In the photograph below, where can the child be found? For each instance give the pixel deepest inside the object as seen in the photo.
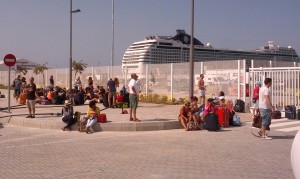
(209, 107)
(120, 97)
(195, 111)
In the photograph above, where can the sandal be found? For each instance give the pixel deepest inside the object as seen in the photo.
(30, 116)
(137, 120)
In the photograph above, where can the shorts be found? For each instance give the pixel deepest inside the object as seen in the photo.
(30, 103)
(265, 117)
(112, 94)
(255, 105)
(133, 102)
(201, 92)
(17, 91)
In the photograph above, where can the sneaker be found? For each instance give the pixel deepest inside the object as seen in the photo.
(266, 138)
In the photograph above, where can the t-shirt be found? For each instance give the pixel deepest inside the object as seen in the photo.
(31, 93)
(120, 98)
(18, 84)
(93, 112)
(111, 86)
(264, 91)
(134, 84)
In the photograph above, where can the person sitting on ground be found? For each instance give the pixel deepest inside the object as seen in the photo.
(222, 103)
(209, 108)
(195, 111)
(185, 112)
(67, 113)
(120, 97)
(92, 115)
(79, 96)
(50, 94)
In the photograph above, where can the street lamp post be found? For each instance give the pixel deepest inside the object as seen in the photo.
(191, 82)
(70, 70)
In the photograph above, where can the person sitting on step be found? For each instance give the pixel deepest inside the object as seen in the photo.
(92, 115)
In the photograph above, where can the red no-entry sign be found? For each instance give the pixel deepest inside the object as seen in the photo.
(9, 60)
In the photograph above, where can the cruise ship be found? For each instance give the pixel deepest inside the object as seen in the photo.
(175, 49)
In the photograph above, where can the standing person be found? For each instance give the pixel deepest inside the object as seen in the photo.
(112, 92)
(17, 87)
(201, 89)
(77, 83)
(133, 97)
(265, 107)
(255, 99)
(91, 83)
(67, 116)
(51, 81)
(31, 88)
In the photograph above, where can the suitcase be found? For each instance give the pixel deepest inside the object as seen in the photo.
(23, 97)
(223, 116)
(102, 118)
(211, 122)
(290, 112)
(276, 115)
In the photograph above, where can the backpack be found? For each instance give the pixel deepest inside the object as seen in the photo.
(239, 106)
(236, 120)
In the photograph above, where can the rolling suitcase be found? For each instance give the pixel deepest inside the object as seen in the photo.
(290, 112)
(223, 116)
(276, 115)
(211, 122)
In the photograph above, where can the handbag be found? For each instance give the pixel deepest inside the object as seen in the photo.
(257, 122)
(102, 118)
(253, 100)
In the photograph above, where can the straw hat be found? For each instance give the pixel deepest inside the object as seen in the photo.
(67, 102)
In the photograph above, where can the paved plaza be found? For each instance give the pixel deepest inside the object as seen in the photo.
(231, 153)
(34, 152)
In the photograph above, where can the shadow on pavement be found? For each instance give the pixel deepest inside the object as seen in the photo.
(1, 126)
(283, 137)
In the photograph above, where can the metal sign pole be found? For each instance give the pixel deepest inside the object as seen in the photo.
(8, 89)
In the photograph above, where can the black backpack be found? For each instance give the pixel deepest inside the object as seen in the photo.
(239, 106)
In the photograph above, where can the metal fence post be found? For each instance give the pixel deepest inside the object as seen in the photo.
(147, 81)
(171, 81)
(239, 79)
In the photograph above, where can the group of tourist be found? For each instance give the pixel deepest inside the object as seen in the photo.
(261, 100)
(56, 95)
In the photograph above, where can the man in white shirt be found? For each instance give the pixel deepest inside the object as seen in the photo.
(265, 107)
(133, 97)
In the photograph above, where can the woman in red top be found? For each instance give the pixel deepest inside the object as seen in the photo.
(185, 112)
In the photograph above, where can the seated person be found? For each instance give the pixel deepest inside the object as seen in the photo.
(222, 103)
(120, 97)
(209, 108)
(195, 111)
(79, 97)
(50, 94)
(67, 116)
(185, 112)
(92, 115)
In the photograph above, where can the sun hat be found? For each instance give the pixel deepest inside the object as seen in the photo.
(258, 83)
(67, 102)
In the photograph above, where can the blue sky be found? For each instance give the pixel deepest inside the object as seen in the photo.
(38, 30)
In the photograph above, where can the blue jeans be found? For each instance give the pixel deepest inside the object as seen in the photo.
(265, 116)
